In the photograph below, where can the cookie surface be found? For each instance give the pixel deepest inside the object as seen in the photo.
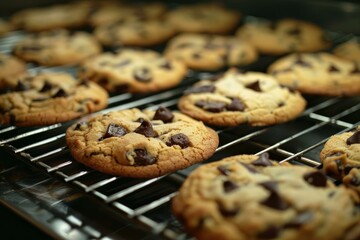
(135, 71)
(134, 33)
(10, 66)
(141, 144)
(317, 73)
(203, 18)
(242, 197)
(209, 52)
(48, 98)
(52, 17)
(57, 47)
(5, 27)
(341, 153)
(236, 98)
(349, 50)
(283, 36)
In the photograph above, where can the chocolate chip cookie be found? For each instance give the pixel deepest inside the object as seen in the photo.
(57, 47)
(317, 73)
(118, 11)
(9, 67)
(141, 144)
(283, 36)
(48, 98)
(134, 32)
(236, 98)
(246, 197)
(210, 52)
(133, 70)
(349, 50)
(341, 153)
(203, 18)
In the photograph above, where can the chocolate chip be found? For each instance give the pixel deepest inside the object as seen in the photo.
(179, 139)
(211, 106)
(339, 165)
(317, 179)
(236, 105)
(40, 99)
(299, 220)
(356, 70)
(79, 125)
(263, 160)
(60, 93)
(333, 68)
(21, 86)
(274, 200)
(294, 31)
(223, 170)
(142, 74)
(196, 55)
(281, 104)
(166, 65)
(353, 139)
(254, 86)
(122, 63)
(163, 114)
(249, 167)
(355, 181)
(269, 233)
(301, 62)
(103, 81)
(228, 213)
(114, 130)
(146, 129)
(200, 89)
(143, 158)
(229, 186)
(46, 87)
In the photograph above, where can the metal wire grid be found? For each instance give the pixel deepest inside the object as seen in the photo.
(45, 147)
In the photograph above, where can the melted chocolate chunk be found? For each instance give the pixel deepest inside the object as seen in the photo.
(142, 74)
(46, 87)
(21, 86)
(355, 181)
(163, 114)
(333, 68)
(200, 89)
(143, 158)
(353, 139)
(249, 167)
(262, 161)
(299, 220)
(114, 130)
(223, 170)
(196, 55)
(122, 63)
(166, 65)
(228, 213)
(274, 200)
(146, 129)
(269, 233)
(317, 179)
(79, 125)
(103, 81)
(40, 99)
(60, 93)
(179, 139)
(281, 104)
(294, 31)
(254, 86)
(229, 186)
(236, 105)
(301, 62)
(356, 70)
(214, 107)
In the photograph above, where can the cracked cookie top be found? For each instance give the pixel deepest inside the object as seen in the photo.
(141, 144)
(48, 98)
(236, 98)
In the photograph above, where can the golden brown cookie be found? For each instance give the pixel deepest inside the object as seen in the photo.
(141, 144)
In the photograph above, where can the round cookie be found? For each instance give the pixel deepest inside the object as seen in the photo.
(317, 73)
(133, 70)
(239, 198)
(210, 52)
(57, 47)
(141, 144)
(349, 50)
(5, 27)
(48, 98)
(52, 17)
(115, 12)
(236, 98)
(10, 66)
(283, 36)
(134, 33)
(203, 18)
(341, 153)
